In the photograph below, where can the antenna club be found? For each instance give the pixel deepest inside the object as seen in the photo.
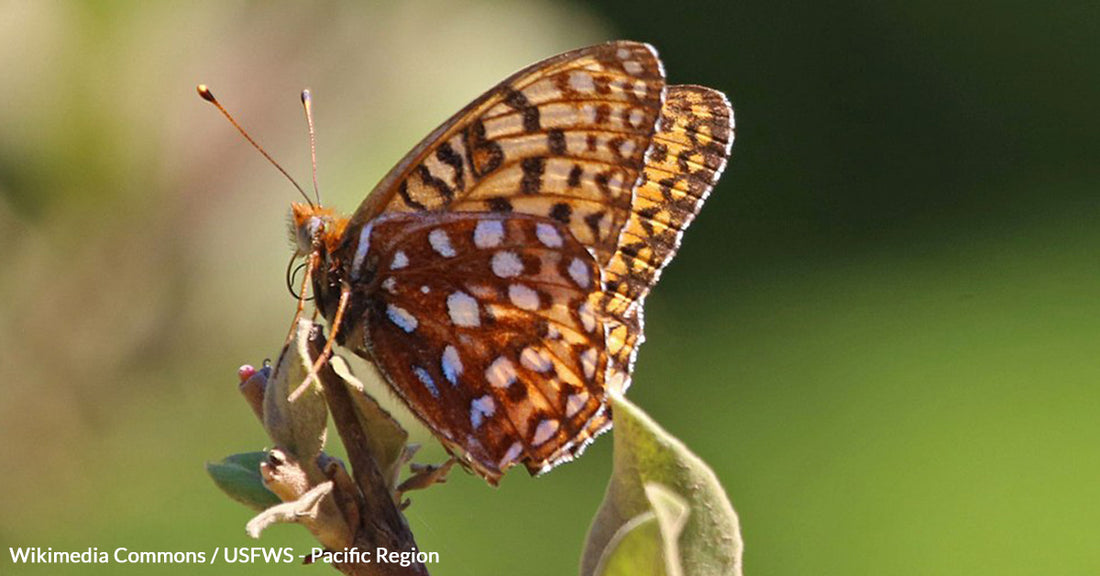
(205, 93)
(306, 96)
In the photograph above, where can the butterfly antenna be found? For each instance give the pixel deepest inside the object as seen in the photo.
(205, 93)
(307, 103)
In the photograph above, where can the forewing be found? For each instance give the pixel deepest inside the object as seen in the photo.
(564, 138)
(483, 324)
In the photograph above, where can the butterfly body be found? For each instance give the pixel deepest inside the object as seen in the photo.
(495, 277)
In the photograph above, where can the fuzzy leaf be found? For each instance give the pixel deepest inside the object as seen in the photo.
(648, 545)
(672, 515)
(635, 550)
(649, 465)
(239, 477)
(298, 427)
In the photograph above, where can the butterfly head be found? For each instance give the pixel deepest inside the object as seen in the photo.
(315, 228)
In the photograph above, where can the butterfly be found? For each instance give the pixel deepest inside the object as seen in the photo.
(496, 275)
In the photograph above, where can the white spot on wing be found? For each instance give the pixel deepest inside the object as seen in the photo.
(507, 264)
(581, 81)
(548, 235)
(536, 360)
(361, 250)
(390, 285)
(441, 242)
(480, 408)
(575, 403)
(463, 309)
(578, 271)
(501, 373)
(615, 183)
(403, 318)
(523, 297)
(426, 380)
(616, 380)
(588, 113)
(510, 456)
(452, 365)
(545, 431)
(588, 319)
(636, 117)
(488, 233)
(632, 67)
(588, 362)
(400, 260)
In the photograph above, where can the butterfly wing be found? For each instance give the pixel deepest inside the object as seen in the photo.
(687, 156)
(482, 323)
(564, 138)
(583, 166)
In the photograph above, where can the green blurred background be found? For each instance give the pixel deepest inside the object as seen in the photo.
(882, 331)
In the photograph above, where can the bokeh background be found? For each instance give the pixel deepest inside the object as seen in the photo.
(882, 331)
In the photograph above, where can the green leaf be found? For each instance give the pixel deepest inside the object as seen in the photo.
(239, 477)
(648, 545)
(635, 549)
(672, 515)
(654, 473)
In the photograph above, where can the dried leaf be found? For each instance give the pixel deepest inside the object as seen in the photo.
(386, 439)
(303, 510)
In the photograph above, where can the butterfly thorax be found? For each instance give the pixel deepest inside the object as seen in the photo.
(318, 233)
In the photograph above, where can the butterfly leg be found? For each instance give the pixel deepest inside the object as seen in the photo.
(337, 320)
(302, 296)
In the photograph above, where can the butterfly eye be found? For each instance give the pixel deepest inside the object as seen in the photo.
(307, 233)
